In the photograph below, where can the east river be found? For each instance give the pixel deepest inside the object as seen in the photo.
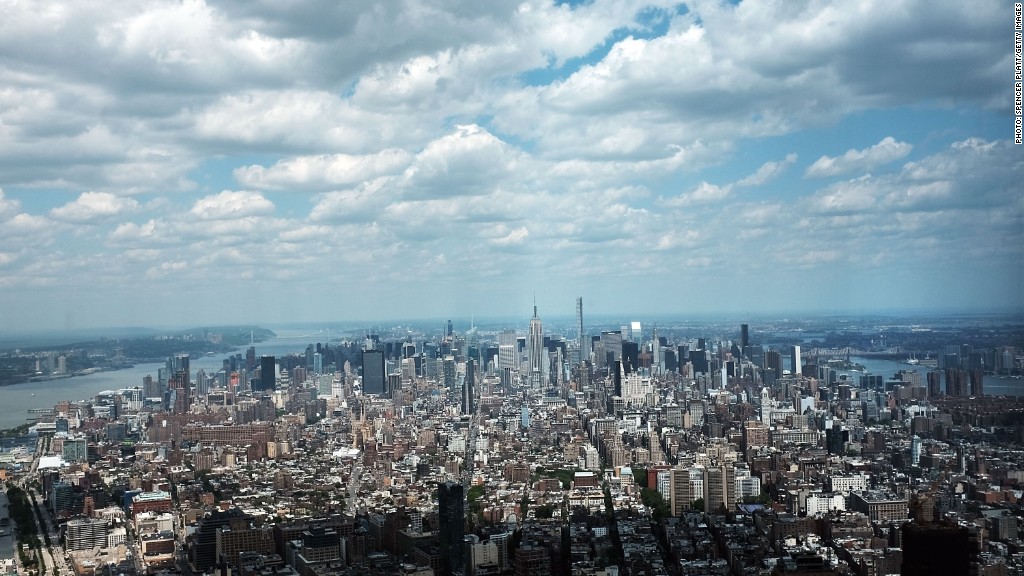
(16, 400)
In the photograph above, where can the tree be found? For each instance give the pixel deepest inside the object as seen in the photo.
(698, 505)
(654, 500)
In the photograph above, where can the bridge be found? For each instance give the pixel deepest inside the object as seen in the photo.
(846, 352)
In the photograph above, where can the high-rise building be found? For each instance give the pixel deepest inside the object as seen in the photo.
(268, 376)
(468, 385)
(773, 362)
(686, 486)
(451, 529)
(744, 336)
(657, 356)
(373, 372)
(181, 364)
(507, 356)
(583, 343)
(448, 372)
(630, 356)
(794, 361)
(720, 488)
(535, 356)
(935, 549)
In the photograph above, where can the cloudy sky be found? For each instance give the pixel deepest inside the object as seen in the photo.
(188, 162)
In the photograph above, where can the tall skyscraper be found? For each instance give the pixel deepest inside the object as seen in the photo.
(309, 356)
(451, 530)
(794, 361)
(507, 356)
(181, 364)
(268, 374)
(744, 336)
(583, 343)
(468, 385)
(250, 359)
(535, 350)
(373, 372)
(657, 355)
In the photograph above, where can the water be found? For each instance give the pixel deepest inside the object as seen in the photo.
(994, 385)
(16, 400)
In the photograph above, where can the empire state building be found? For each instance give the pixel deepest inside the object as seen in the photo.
(535, 351)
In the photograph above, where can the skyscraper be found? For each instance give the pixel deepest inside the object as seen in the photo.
(268, 375)
(181, 364)
(584, 348)
(448, 372)
(451, 530)
(507, 350)
(373, 372)
(468, 384)
(794, 361)
(535, 350)
(744, 336)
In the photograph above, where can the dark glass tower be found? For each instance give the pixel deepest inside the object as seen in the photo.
(373, 372)
(451, 531)
(935, 550)
(268, 378)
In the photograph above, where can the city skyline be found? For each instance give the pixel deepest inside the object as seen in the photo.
(189, 163)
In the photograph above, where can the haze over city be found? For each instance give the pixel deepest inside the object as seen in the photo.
(188, 163)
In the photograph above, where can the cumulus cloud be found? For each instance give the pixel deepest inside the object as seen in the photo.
(768, 171)
(469, 161)
(886, 151)
(94, 207)
(231, 204)
(323, 171)
(516, 236)
(703, 193)
(414, 143)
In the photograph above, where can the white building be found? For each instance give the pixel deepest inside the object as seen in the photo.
(848, 483)
(820, 503)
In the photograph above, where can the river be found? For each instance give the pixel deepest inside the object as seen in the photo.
(16, 400)
(994, 385)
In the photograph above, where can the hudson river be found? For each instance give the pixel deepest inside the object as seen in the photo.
(17, 400)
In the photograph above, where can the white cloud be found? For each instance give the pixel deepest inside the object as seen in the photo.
(768, 171)
(469, 161)
(352, 206)
(886, 151)
(516, 236)
(94, 207)
(848, 197)
(231, 204)
(703, 193)
(323, 171)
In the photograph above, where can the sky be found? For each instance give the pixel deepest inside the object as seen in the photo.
(256, 161)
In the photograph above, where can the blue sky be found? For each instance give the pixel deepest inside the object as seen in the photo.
(183, 163)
